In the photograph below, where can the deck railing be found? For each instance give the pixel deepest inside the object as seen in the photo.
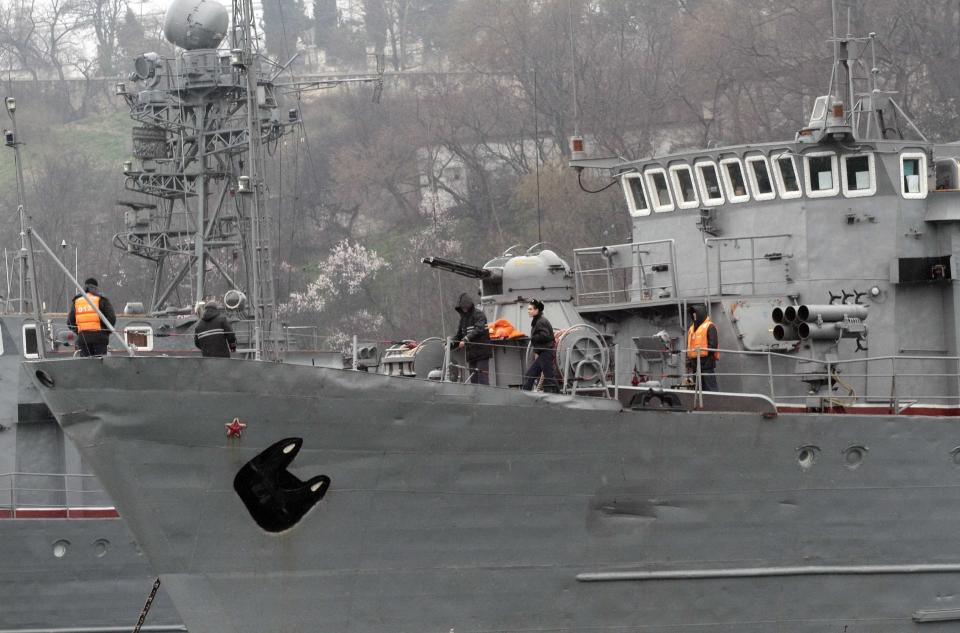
(23, 492)
(895, 383)
(638, 272)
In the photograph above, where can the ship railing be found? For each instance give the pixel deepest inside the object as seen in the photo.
(637, 272)
(301, 337)
(743, 263)
(70, 495)
(896, 383)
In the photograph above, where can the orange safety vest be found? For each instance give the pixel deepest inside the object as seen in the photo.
(697, 341)
(87, 318)
(501, 328)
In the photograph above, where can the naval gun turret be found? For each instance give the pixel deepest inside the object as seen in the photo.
(507, 284)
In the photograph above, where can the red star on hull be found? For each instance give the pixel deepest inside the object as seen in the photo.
(235, 428)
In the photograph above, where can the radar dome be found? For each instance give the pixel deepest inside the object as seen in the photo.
(193, 24)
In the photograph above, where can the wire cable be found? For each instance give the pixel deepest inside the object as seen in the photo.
(604, 188)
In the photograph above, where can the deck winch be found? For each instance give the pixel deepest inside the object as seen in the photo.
(412, 359)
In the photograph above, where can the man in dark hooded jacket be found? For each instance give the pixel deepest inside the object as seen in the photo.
(213, 334)
(92, 333)
(474, 337)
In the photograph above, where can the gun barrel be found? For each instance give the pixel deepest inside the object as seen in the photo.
(458, 268)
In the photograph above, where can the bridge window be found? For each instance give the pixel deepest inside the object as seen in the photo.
(31, 341)
(948, 176)
(683, 184)
(636, 197)
(822, 180)
(659, 190)
(140, 336)
(785, 173)
(709, 182)
(913, 175)
(858, 176)
(759, 173)
(732, 170)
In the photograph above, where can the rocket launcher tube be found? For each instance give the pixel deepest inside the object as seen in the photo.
(785, 332)
(826, 332)
(831, 313)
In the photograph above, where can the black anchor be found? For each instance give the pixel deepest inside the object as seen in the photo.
(276, 498)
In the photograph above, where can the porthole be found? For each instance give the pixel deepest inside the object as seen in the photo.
(853, 456)
(807, 455)
(44, 379)
(955, 455)
(60, 548)
(100, 547)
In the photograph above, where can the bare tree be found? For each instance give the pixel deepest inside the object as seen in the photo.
(106, 19)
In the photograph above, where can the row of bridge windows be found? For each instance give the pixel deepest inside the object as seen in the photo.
(709, 183)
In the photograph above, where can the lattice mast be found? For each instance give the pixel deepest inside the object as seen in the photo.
(262, 291)
(205, 116)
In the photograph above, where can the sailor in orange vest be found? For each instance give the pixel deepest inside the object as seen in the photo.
(92, 334)
(701, 337)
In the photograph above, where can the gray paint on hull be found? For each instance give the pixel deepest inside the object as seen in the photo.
(80, 589)
(39, 591)
(454, 506)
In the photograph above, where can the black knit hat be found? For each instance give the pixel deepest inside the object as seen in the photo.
(90, 281)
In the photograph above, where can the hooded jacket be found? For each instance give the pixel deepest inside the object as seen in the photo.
(472, 329)
(213, 334)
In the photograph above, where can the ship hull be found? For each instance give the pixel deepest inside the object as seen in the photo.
(68, 575)
(455, 507)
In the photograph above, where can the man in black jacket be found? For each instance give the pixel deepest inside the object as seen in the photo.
(474, 337)
(213, 334)
(92, 333)
(541, 339)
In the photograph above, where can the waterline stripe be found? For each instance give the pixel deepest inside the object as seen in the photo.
(156, 628)
(760, 572)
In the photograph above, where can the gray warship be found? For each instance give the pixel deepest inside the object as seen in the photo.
(69, 562)
(813, 493)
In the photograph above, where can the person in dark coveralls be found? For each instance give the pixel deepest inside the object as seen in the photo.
(541, 339)
(213, 334)
(92, 333)
(702, 337)
(474, 337)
